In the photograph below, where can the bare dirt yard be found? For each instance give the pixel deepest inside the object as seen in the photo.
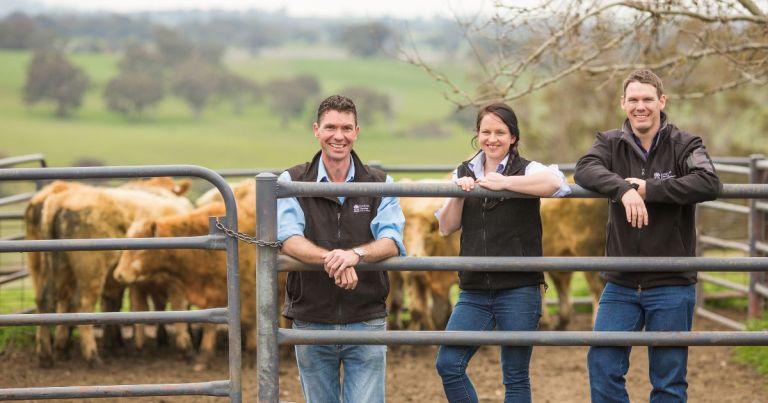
(558, 374)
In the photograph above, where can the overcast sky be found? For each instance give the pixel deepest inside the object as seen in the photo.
(318, 8)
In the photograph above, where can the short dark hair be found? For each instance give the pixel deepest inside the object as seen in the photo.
(506, 114)
(338, 103)
(644, 77)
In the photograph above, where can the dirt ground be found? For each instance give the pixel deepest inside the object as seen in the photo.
(558, 374)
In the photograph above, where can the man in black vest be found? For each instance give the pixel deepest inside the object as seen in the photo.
(654, 174)
(339, 233)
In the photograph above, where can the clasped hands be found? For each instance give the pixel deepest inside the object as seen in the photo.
(340, 265)
(492, 181)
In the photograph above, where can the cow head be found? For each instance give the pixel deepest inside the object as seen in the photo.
(139, 265)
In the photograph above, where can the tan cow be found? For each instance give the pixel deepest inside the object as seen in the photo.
(202, 273)
(244, 191)
(573, 227)
(428, 291)
(75, 281)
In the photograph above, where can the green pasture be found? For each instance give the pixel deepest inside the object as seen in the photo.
(222, 139)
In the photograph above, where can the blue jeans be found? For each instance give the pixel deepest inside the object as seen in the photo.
(667, 308)
(507, 309)
(320, 366)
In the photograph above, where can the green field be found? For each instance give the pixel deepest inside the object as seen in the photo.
(221, 139)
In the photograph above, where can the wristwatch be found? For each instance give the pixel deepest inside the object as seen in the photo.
(359, 252)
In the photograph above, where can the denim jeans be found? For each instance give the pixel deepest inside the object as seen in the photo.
(507, 309)
(666, 308)
(320, 366)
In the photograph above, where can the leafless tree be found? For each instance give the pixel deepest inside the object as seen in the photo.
(700, 47)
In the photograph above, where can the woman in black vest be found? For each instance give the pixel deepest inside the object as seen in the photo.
(496, 227)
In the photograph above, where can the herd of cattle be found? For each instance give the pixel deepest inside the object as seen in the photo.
(180, 278)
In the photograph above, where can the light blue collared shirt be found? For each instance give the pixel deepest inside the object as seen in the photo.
(388, 222)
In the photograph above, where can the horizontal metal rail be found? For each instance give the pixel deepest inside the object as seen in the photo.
(716, 317)
(22, 159)
(576, 301)
(4, 270)
(761, 289)
(724, 206)
(732, 169)
(761, 205)
(723, 283)
(17, 198)
(9, 278)
(551, 264)
(724, 162)
(761, 246)
(213, 315)
(190, 242)
(724, 243)
(523, 338)
(312, 189)
(213, 388)
(11, 215)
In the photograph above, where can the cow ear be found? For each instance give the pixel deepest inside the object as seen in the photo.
(181, 187)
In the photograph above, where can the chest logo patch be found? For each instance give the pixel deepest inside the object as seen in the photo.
(361, 208)
(663, 175)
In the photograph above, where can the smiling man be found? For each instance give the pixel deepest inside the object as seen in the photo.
(339, 233)
(654, 174)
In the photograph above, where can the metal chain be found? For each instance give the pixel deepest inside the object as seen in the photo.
(245, 237)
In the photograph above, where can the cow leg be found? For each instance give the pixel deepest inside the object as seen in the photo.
(441, 311)
(181, 329)
(596, 286)
(159, 302)
(88, 346)
(63, 333)
(395, 300)
(45, 304)
(249, 334)
(207, 346)
(546, 319)
(112, 301)
(562, 281)
(138, 304)
(417, 294)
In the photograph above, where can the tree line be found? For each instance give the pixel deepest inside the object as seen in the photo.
(173, 65)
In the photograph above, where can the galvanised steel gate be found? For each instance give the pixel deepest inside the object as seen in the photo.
(268, 190)
(231, 387)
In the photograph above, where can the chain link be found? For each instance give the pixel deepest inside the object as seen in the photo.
(245, 237)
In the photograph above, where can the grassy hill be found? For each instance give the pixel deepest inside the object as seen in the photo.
(221, 139)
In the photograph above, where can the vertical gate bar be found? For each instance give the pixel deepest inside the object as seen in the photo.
(755, 305)
(233, 309)
(267, 357)
(699, 252)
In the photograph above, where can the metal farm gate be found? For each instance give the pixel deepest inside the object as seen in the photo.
(230, 316)
(270, 336)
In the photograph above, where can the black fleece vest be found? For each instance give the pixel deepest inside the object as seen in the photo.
(313, 296)
(500, 227)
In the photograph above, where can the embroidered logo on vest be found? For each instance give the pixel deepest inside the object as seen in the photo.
(361, 208)
(663, 175)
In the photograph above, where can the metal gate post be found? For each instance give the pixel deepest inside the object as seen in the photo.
(755, 300)
(267, 356)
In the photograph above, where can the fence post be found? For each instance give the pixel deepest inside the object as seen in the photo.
(267, 356)
(755, 305)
